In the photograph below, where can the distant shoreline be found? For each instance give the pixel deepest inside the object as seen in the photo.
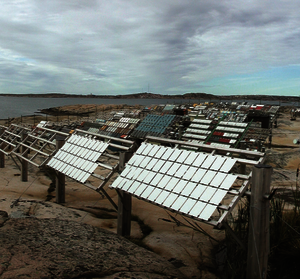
(187, 96)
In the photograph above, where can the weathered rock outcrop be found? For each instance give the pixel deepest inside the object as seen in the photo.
(52, 248)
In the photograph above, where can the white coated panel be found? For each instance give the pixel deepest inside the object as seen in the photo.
(98, 146)
(197, 209)
(117, 181)
(151, 164)
(136, 173)
(59, 165)
(155, 193)
(162, 196)
(156, 179)
(160, 152)
(150, 150)
(188, 205)
(144, 149)
(140, 190)
(184, 154)
(170, 200)
(228, 164)
(181, 171)
(51, 162)
(134, 186)
(165, 180)
(58, 154)
(63, 168)
(141, 149)
(153, 150)
(89, 154)
(208, 194)
(64, 155)
(168, 153)
(125, 185)
(133, 158)
(149, 177)
(104, 147)
(138, 160)
(208, 177)
(84, 179)
(199, 160)
(78, 163)
(189, 188)
(147, 192)
(178, 203)
(228, 182)
(191, 158)
(77, 174)
(218, 179)
(208, 161)
(68, 172)
(96, 156)
(175, 155)
(207, 212)
(93, 167)
(218, 196)
(173, 169)
(166, 167)
(145, 162)
(198, 175)
(73, 172)
(68, 159)
(158, 165)
(84, 154)
(142, 175)
(126, 171)
(217, 163)
(75, 150)
(198, 191)
(171, 184)
(180, 186)
(189, 173)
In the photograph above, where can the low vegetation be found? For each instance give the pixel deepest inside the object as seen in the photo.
(284, 254)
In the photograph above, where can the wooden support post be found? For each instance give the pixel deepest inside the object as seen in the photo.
(270, 140)
(243, 168)
(2, 155)
(259, 222)
(2, 160)
(180, 131)
(259, 145)
(60, 179)
(124, 202)
(24, 163)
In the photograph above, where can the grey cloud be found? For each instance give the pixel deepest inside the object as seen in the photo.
(117, 46)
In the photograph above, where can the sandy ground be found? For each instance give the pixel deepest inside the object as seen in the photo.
(189, 251)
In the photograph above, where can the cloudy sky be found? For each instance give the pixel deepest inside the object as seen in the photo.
(160, 46)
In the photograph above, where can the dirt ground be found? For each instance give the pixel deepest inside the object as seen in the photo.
(190, 252)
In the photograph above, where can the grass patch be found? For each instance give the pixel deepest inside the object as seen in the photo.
(284, 254)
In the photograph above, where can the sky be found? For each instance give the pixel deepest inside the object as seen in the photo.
(222, 47)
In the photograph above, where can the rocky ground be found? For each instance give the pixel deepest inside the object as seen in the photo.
(54, 248)
(42, 239)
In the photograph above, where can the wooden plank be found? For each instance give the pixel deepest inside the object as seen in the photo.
(124, 202)
(259, 223)
(24, 163)
(60, 178)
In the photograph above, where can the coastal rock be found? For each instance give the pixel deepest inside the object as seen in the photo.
(52, 248)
